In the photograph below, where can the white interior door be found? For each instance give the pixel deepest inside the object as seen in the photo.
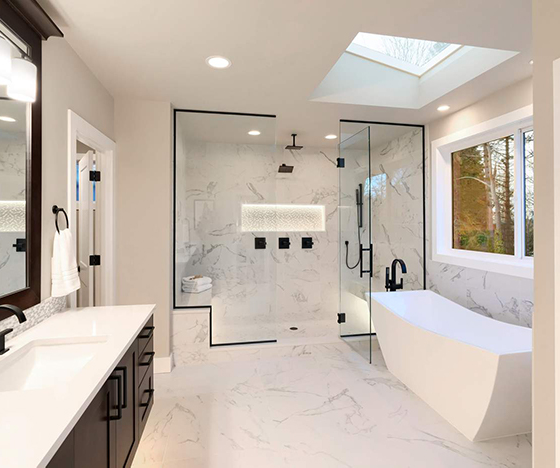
(85, 231)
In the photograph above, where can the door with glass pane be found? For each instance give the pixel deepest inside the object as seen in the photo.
(355, 243)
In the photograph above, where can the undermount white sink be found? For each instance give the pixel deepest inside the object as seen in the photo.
(46, 363)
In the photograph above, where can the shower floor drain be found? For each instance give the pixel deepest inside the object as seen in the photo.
(293, 328)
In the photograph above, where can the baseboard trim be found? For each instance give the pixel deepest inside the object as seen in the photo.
(163, 365)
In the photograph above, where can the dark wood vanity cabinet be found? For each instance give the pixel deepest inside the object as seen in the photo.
(108, 433)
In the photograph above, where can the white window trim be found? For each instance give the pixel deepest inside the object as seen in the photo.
(442, 196)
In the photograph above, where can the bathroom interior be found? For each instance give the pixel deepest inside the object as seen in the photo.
(306, 239)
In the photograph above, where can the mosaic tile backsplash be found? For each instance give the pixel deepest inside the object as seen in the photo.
(35, 315)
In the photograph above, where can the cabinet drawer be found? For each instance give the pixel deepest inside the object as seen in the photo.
(146, 334)
(145, 360)
(145, 397)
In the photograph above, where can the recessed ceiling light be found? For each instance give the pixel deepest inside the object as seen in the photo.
(443, 108)
(254, 133)
(531, 62)
(218, 62)
(331, 137)
(5, 118)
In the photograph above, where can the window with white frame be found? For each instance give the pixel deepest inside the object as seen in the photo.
(483, 196)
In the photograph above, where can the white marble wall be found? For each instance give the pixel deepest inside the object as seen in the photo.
(256, 294)
(12, 188)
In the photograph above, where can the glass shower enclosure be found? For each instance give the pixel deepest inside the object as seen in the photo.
(381, 218)
(221, 170)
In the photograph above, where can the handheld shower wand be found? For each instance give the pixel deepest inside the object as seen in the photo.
(359, 223)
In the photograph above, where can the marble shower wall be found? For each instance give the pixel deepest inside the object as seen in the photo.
(256, 294)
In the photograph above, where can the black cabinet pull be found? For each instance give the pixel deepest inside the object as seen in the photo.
(150, 331)
(150, 393)
(119, 397)
(150, 359)
(124, 370)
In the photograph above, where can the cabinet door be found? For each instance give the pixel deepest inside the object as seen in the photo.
(94, 439)
(64, 457)
(125, 427)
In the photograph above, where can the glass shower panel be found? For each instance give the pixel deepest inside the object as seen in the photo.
(355, 243)
(220, 169)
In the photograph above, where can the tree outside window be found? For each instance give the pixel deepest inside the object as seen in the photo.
(483, 197)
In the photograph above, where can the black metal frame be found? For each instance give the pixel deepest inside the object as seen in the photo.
(209, 306)
(424, 249)
(29, 22)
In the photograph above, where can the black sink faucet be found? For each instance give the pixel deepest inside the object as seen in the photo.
(391, 281)
(21, 318)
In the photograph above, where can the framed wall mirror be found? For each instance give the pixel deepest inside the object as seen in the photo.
(23, 25)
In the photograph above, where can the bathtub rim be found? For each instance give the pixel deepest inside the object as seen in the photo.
(427, 291)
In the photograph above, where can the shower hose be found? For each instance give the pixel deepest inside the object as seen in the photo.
(359, 239)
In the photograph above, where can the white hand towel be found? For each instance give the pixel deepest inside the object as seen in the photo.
(198, 289)
(65, 278)
(192, 280)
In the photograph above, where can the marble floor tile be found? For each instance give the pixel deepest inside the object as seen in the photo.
(317, 405)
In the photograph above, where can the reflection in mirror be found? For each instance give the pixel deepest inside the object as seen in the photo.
(13, 160)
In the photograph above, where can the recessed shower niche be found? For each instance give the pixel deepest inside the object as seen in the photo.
(229, 196)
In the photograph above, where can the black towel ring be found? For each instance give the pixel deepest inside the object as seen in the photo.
(56, 210)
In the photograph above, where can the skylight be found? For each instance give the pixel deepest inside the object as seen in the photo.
(413, 56)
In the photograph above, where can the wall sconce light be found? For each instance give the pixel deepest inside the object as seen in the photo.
(24, 80)
(5, 62)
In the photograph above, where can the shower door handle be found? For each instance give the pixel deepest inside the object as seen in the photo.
(370, 271)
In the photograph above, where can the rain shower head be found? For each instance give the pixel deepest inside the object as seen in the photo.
(286, 169)
(293, 146)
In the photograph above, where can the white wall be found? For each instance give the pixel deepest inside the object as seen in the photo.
(67, 84)
(143, 209)
(503, 297)
(546, 392)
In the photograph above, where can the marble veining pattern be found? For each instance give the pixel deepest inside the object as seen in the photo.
(304, 406)
(256, 294)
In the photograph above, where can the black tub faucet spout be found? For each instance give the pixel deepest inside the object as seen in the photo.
(391, 278)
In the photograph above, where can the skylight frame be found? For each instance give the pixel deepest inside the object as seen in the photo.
(401, 65)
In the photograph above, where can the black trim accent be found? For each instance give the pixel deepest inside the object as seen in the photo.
(94, 176)
(195, 111)
(209, 307)
(284, 243)
(355, 335)
(243, 343)
(13, 15)
(36, 18)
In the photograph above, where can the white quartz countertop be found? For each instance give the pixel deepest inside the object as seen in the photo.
(34, 423)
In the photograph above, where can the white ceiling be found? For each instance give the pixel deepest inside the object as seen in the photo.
(281, 51)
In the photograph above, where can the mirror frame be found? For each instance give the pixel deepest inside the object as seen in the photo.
(29, 21)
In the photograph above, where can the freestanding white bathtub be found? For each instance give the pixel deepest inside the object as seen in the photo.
(473, 370)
